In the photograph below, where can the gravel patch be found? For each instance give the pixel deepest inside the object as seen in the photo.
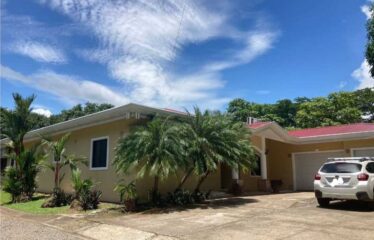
(18, 228)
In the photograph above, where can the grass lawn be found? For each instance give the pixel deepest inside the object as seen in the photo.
(33, 206)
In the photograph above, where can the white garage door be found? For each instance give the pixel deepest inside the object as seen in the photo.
(368, 152)
(307, 164)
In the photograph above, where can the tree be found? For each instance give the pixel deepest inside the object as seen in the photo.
(213, 139)
(16, 123)
(60, 158)
(370, 44)
(154, 149)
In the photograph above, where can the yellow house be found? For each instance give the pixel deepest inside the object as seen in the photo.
(292, 157)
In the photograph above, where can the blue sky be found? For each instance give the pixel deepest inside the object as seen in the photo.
(180, 53)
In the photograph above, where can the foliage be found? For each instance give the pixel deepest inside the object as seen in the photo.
(336, 108)
(212, 139)
(154, 149)
(180, 197)
(89, 199)
(12, 184)
(36, 121)
(24, 174)
(370, 44)
(57, 199)
(60, 158)
(127, 192)
(84, 193)
(16, 123)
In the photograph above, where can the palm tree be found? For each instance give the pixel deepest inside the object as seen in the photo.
(212, 139)
(16, 123)
(60, 158)
(154, 149)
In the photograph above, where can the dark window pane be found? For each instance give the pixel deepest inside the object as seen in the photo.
(370, 167)
(99, 153)
(256, 171)
(341, 168)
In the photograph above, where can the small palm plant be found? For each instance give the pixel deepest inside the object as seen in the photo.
(60, 158)
(154, 149)
(127, 194)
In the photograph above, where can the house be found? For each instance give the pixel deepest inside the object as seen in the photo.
(290, 156)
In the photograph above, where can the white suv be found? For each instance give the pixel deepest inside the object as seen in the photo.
(345, 179)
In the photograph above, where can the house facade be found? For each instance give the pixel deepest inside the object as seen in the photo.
(292, 157)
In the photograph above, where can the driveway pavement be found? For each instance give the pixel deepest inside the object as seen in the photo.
(281, 216)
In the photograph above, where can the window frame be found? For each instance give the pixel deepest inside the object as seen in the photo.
(107, 153)
(367, 167)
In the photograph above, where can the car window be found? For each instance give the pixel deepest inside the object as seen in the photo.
(341, 168)
(370, 167)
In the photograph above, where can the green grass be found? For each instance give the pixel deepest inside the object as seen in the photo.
(33, 206)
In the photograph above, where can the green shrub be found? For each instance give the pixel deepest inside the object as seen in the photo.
(12, 183)
(200, 197)
(89, 199)
(180, 197)
(58, 198)
(127, 194)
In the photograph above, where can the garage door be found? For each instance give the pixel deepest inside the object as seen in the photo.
(307, 165)
(368, 152)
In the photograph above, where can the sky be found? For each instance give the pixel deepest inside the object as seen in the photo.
(180, 53)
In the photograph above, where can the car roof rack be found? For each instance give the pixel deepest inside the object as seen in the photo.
(361, 159)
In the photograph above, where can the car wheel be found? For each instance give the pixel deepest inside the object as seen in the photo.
(323, 202)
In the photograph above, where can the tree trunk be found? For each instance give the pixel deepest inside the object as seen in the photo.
(57, 169)
(184, 179)
(155, 190)
(201, 180)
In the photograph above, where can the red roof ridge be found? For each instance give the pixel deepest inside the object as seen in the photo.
(332, 126)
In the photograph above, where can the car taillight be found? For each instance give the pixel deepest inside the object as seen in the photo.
(317, 177)
(362, 177)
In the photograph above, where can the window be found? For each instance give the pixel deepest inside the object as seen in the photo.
(370, 167)
(341, 168)
(99, 153)
(256, 170)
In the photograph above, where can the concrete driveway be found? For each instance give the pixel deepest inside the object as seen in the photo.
(281, 216)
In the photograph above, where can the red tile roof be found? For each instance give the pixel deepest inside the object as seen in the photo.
(258, 124)
(333, 130)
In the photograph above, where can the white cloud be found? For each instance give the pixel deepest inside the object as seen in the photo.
(366, 10)
(39, 52)
(362, 75)
(42, 111)
(68, 89)
(140, 40)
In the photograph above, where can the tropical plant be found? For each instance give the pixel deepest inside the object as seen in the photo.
(60, 158)
(12, 183)
(127, 194)
(16, 123)
(155, 150)
(84, 193)
(25, 173)
(180, 197)
(213, 139)
(80, 185)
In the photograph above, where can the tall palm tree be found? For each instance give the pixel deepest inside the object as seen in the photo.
(16, 123)
(212, 139)
(154, 149)
(60, 158)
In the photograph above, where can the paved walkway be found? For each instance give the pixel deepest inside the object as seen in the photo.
(281, 216)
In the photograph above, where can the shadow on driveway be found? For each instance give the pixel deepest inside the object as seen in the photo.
(232, 202)
(354, 206)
